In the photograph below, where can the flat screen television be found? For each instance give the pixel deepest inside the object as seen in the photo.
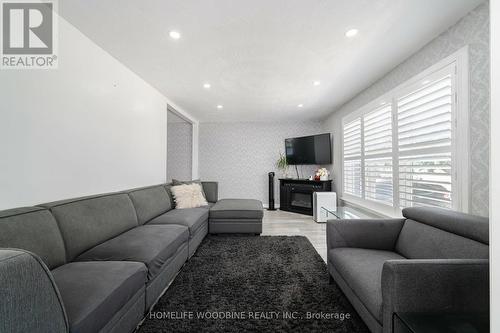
(313, 149)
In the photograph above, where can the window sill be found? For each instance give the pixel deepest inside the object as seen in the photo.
(372, 207)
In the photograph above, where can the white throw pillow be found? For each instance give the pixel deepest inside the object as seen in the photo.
(188, 196)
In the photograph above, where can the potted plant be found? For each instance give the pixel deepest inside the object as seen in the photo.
(282, 165)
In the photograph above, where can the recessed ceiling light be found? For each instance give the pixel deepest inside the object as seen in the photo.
(174, 34)
(351, 33)
(220, 107)
(206, 85)
(316, 83)
(300, 105)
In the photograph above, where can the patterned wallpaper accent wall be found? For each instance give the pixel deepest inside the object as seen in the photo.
(240, 155)
(179, 148)
(472, 30)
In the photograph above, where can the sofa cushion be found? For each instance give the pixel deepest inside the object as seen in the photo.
(362, 269)
(150, 202)
(33, 229)
(93, 292)
(168, 188)
(421, 241)
(86, 222)
(237, 208)
(465, 225)
(211, 190)
(152, 245)
(193, 218)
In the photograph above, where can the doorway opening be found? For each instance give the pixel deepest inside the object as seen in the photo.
(179, 146)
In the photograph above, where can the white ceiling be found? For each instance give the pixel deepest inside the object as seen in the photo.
(261, 56)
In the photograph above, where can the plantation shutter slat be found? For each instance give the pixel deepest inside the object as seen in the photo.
(425, 127)
(377, 143)
(352, 158)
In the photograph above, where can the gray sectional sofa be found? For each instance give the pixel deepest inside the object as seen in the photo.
(433, 261)
(97, 263)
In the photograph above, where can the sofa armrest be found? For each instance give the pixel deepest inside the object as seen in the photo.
(434, 285)
(29, 298)
(211, 190)
(377, 234)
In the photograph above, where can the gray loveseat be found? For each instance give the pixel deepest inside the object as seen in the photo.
(97, 263)
(433, 261)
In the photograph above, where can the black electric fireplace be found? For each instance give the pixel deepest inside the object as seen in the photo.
(300, 200)
(296, 195)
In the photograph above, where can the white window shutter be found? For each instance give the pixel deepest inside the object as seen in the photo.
(409, 147)
(425, 145)
(352, 158)
(377, 139)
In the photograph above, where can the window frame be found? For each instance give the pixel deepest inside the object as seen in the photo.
(459, 146)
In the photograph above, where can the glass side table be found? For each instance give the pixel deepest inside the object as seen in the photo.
(344, 213)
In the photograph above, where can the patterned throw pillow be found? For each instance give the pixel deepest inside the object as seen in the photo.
(188, 196)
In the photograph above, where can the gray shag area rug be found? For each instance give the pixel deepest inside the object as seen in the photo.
(253, 284)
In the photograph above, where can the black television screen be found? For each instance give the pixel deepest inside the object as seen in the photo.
(314, 149)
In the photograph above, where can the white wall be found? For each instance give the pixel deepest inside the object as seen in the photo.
(472, 30)
(494, 167)
(240, 155)
(90, 126)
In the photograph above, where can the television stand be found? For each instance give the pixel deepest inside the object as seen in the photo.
(296, 195)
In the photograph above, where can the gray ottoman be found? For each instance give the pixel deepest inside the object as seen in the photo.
(236, 216)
